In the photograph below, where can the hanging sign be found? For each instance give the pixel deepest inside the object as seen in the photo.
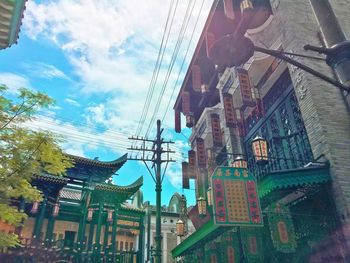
(201, 158)
(216, 130)
(196, 78)
(192, 164)
(235, 197)
(245, 87)
(230, 114)
(252, 244)
(177, 121)
(282, 228)
(186, 106)
(185, 178)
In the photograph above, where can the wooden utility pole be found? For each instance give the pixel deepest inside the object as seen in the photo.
(156, 159)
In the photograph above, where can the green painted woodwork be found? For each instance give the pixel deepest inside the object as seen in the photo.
(91, 236)
(49, 230)
(114, 233)
(97, 247)
(196, 237)
(40, 218)
(105, 236)
(293, 178)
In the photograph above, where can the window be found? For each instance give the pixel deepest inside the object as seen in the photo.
(121, 248)
(131, 245)
(126, 246)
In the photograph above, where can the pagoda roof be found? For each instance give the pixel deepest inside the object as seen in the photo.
(115, 164)
(94, 170)
(58, 179)
(114, 194)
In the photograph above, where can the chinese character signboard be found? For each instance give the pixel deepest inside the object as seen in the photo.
(192, 164)
(186, 104)
(245, 87)
(282, 228)
(216, 130)
(185, 178)
(201, 158)
(230, 114)
(196, 78)
(235, 197)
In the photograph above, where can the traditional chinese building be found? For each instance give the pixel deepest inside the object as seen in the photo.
(268, 119)
(83, 217)
(11, 14)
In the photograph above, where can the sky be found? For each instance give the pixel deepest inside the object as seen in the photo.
(97, 59)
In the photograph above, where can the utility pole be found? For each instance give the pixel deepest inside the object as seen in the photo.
(157, 176)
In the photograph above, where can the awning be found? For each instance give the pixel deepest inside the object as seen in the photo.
(293, 178)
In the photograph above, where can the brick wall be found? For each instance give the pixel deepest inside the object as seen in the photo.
(325, 114)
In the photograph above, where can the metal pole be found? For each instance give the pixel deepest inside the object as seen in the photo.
(279, 55)
(158, 236)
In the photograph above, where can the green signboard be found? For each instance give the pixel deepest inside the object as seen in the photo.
(235, 197)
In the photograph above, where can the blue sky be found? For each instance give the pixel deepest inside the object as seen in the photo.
(96, 59)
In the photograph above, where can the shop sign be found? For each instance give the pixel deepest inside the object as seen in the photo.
(235, 197)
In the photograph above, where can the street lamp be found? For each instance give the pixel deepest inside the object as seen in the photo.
(180, 228)
(259, 146)
(202, 206)
(240, 162)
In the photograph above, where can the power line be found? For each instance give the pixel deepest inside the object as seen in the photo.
(180, 38)
(183, 61)
(156, 69)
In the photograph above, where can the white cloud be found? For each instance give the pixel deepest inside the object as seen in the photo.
(113, 46)
(14, 81)
(43, 70)
(72, 102)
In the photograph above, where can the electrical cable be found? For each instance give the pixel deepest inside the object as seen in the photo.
(173, 60)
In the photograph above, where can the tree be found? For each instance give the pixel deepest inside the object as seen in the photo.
(24, 153)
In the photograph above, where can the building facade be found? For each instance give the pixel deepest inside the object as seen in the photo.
(303, 179)
(169, 216)
(83, 217)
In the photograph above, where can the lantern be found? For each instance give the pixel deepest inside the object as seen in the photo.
(110, 216)
(239, 162)
(260, 150)
(210, 197)
(90, 213)
(35, 207)
(202, 206)
(180, 228)
(56, 209)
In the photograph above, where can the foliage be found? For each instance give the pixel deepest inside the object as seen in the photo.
(23, 154)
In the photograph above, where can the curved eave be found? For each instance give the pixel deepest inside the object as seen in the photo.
(51, 178)
(15, 21)
(128, 189)
(131, 210)
(116, 164)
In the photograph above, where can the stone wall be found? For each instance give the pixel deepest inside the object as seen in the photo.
(326, 116)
